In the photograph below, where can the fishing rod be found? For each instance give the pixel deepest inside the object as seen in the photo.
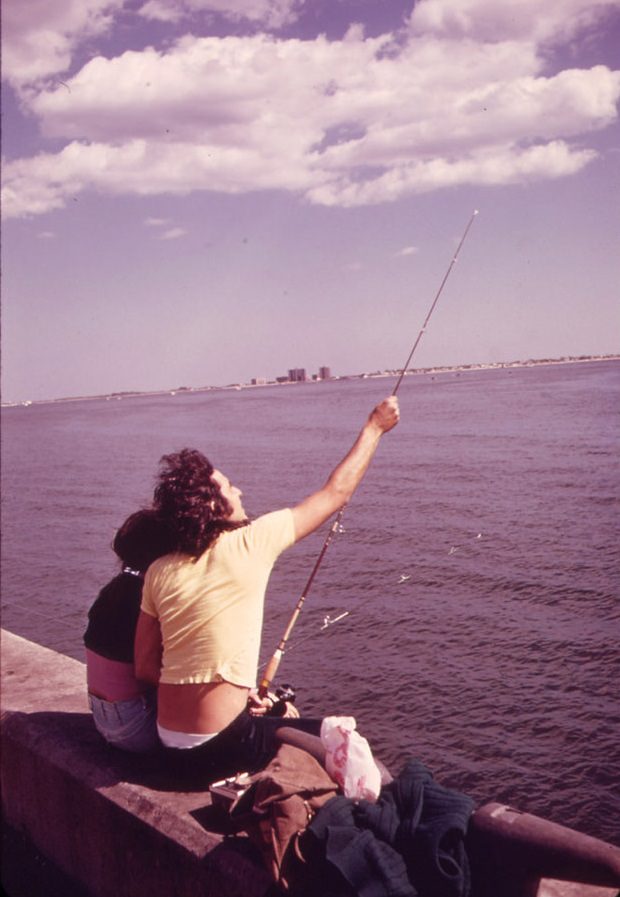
(435, 301)
(276, 657)
(273, 664)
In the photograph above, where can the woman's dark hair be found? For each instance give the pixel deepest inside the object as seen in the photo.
(142, 538)
(190, 502)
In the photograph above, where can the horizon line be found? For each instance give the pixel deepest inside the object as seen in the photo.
(473, 366)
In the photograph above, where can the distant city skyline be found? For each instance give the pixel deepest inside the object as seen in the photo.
(201, 192)
(282, 380)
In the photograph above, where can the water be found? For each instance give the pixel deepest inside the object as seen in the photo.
(497, 662)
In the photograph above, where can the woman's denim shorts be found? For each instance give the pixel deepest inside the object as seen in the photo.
(130, 725)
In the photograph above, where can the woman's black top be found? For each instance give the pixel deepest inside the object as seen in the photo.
(113, 618)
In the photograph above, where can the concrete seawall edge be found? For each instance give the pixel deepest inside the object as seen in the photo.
(93, 812)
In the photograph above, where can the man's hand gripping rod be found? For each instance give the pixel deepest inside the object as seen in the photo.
(273, 664)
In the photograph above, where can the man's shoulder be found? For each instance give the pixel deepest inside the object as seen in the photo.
(273, 518)
(166, 564)
(275, 528)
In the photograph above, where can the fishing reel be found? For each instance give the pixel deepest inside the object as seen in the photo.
(285, 693)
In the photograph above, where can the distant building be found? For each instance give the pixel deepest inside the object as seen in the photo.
(325, 373)
(259, 381)
(297, 375)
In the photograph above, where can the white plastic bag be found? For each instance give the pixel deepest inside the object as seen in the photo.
(349, 761)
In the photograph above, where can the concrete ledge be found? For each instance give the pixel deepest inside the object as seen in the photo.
(111, 826)
(102, 817)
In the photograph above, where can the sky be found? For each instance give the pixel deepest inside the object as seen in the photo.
(200, 192)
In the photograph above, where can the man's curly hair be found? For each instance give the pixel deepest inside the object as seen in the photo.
(189, 501)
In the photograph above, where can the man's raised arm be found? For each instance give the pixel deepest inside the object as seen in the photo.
(346, 476)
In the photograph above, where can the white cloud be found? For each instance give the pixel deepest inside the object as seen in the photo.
(490, 166)
(498, 20)
(46, 235)
(339, 122)
(406, 251)
(156, 222)
(270, 14)
(39, 36)
(173, 233)
(162, 11)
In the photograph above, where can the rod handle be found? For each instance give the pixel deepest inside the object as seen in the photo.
(269, 673)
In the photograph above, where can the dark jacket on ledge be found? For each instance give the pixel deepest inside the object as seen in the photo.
(408, 844)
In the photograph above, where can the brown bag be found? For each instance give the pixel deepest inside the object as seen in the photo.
(279, 804)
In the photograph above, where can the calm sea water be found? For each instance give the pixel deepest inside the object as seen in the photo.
(479, 564)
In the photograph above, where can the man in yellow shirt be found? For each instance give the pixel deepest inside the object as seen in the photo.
(200, 622)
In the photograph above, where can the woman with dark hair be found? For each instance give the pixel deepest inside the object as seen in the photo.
(201, 616)
(124, 708)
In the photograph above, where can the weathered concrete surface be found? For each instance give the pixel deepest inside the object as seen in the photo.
(103, 817)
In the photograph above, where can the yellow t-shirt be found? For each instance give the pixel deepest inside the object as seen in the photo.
(211, 609)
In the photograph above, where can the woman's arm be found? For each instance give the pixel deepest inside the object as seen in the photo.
(148, 649)
(346, 477)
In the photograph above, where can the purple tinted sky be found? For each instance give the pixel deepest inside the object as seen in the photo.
(197, 192)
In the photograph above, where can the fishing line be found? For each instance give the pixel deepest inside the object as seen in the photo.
(273, 664)
(463, 549)
(328, 622)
